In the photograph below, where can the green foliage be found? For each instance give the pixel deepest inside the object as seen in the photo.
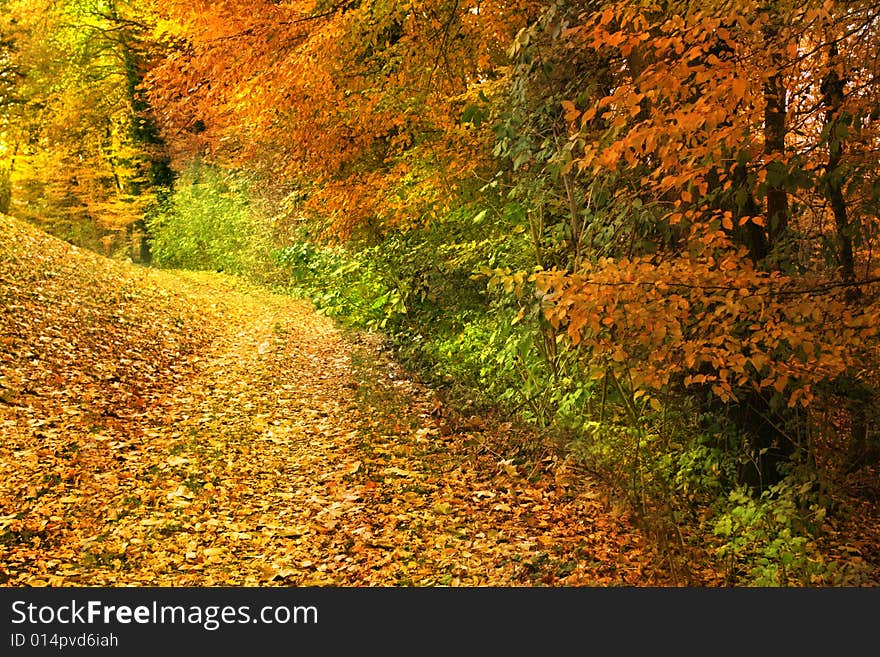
(679, 475)
(345, 284)
(208, 223)
(765, 540)
(424, 288)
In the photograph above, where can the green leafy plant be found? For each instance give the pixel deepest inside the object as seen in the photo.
(208, 222)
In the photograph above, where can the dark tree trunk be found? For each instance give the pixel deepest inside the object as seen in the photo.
(750, 234)
(832, 95)
(774, 146)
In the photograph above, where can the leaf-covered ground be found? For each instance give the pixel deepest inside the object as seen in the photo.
(163, 428)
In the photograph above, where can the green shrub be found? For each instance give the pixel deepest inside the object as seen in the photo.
(208, 223)
(764, 541)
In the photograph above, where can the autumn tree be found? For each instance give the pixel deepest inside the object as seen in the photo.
(739, 140)
(359, 103)
(87, 149)
(11, 76)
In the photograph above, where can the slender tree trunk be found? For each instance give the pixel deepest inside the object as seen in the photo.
(774, 146)
(832, 95)
(858, 398)
(751, 234)
(6, 182)
(5, 189)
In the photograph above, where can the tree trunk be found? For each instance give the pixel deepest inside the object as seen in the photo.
(750, 234)
(774, 146)
(832, 95)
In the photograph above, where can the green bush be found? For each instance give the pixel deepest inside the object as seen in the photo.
(208, 223)
(764, 542)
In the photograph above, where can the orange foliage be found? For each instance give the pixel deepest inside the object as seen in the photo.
(351, 96)
(708, 318)
(736, 297)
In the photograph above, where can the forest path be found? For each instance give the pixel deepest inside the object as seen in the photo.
(184, 429)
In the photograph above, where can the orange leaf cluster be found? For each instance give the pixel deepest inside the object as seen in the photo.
(340, 95)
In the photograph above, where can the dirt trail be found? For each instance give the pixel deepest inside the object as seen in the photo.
(176, 429)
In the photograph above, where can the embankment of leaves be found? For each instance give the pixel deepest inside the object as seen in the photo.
(85, 344)
(62, 305)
